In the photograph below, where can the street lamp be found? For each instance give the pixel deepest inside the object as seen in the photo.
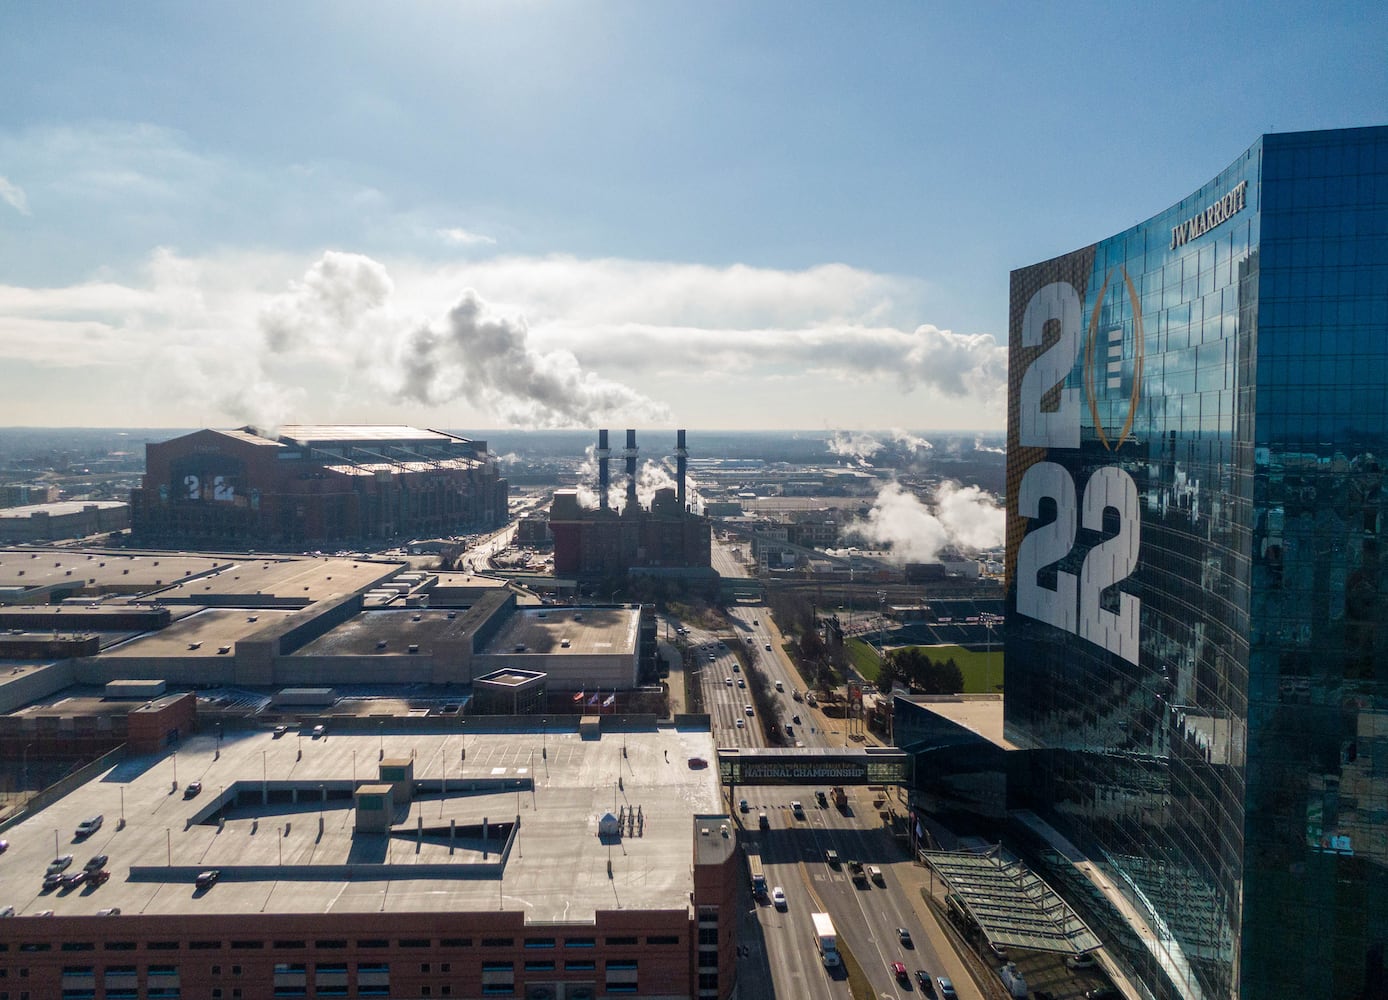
(24, 777)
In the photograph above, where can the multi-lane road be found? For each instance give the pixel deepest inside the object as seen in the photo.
(780, 958)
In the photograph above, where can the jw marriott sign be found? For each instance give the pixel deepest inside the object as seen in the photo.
(1221, 211)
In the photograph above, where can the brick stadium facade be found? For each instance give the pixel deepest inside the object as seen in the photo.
(314, 485)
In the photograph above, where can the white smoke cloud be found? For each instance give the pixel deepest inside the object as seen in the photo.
(485, 358)
(652, 476)
(980, 446)
(966, 518)
(13, 195)
(854, 444)
(911, 442)
(337, 294)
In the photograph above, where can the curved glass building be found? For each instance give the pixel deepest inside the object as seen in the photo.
(1197, 637)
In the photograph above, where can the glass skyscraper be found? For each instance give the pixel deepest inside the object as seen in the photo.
(1197, 635)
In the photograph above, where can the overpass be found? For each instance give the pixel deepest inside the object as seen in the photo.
(814, 765)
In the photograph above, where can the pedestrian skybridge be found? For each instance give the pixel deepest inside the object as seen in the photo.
(814, 766)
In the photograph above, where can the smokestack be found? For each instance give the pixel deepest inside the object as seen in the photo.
(603, 453)
(681, 464)
(630, 454)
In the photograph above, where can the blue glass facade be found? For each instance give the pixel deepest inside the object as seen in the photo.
(1197, 641)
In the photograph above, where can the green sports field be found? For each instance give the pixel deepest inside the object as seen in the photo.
(983, 672)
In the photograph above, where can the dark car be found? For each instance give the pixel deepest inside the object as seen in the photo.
(280, 731)
(97, 862)
(924, 982)
(207, 879)
(905, 936)
(98, 877)
(75, 879)
(192, 789)
(1103, 993)
(52, 880)
(819, 797)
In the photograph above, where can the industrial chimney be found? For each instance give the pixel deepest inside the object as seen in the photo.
(681, 464)
(630, 454)
(603, 453)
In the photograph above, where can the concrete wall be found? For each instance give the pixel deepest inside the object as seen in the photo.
(35, 684)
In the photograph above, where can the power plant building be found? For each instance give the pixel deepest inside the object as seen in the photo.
(1197, 619)
(605, 542)
(313, 485)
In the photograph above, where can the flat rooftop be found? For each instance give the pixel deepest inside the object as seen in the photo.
(398, 628)
(204, 633)
(978, 713)
(275, 859)
(588, 631)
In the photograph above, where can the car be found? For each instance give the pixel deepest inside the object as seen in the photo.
(99, 877)
(899, 970)
(780, 686)
(98, 861)
(280, 731)
(763, 821)
(747, 709)
(778, 898)
(831, 857)
(75, 879)
(768, 647)
(797, 696)
(697, 763)
(42, 913)
(905, 936)
(88, 826)
(6, 911)
(191, 789)
(821, 798)
(59, 864)
(319, 730)
(795, 719)
(790, 730)
(945, 988)
(1103, 993)
(741, 724)
(109, 911)
(743, 806)
(712, 658)
(728, 681)
(52, 880)
(4, 846)
(923, 981)
(1084, 960)
(797, 808)
(741, 683)
(875, 873)
(207, 879)
(737, 668)
(755, 622)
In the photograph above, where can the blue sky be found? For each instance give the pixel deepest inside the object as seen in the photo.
(712, 215)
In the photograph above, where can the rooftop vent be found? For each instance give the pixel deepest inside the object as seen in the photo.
(223, 650)
(380, 644)
(414, 647)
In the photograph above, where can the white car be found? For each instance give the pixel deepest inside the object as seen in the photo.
(741, 724)
(728, 681)
(778, 898)
(748, 709)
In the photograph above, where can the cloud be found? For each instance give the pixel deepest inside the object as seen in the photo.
(13, 195)
(965, 518)
(339, 291)
(853, 445)
(512, 341)
(462, 237)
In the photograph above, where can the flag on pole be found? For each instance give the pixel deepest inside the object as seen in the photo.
(594, 700)
(610, 700)
(578, 697)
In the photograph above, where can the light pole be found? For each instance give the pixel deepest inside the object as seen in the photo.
(24, 776)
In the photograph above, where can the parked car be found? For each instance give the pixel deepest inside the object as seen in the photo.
(6, 911)
(99, 877)
(797, 808)
(52, 880)
(191, 789)
(819, 797)
(280, 731)
(743, 806)
(88, 826)
(109, 911)
(99, 861)
(1084, 960)
(207, 879)
(319, 730)
(60, 863)
(75, 879)
(778, 898)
